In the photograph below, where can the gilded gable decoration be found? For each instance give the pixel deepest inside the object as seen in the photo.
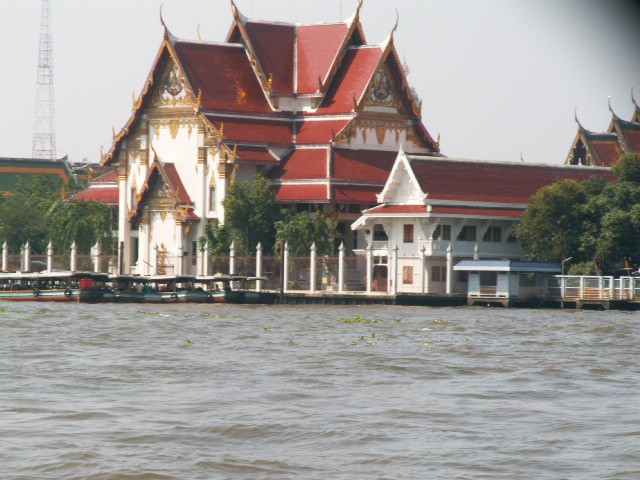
(382, 91)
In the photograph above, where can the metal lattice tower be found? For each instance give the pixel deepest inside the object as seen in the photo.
(44, 133)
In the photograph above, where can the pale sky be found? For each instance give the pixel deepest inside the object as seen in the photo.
(497, 77)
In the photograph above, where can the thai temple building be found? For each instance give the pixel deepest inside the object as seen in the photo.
(603, 149)
(334, 124)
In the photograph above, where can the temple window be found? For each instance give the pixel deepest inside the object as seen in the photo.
(438, 274)
(493, 234)
(467, 234)
(442, 232)
(212, 199)
(407, 275)
(379, 235)
(512, 238)
(408, 233)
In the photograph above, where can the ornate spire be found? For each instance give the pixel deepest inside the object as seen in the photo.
(167, 33)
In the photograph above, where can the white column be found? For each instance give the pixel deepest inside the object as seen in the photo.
(423, 268)
(341, 268)
(258, 266)
(179, 257)
(73, 257)
(476, 253)
(369, 251)
(394, 265)
(143, 249)
(312, 273)
(50, 257)
(5, 256)
(205, 259)
(285, 268)
(26, 257)
(232, 258)
(123, 220)
(449, 269)
(95, 254)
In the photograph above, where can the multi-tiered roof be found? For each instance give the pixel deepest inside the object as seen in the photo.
(604, 148)
(292, 99)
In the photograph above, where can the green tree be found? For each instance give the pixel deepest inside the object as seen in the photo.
(84, 222)
(251, 212)
(218, 237)
(25, 216)
(300, 231)
(551, 226)
(627, 168)
(595, 222)
(38, 213)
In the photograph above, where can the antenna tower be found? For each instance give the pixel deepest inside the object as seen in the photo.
(44, 133)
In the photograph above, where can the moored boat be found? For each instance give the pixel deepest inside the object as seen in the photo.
(171, 289)
(219, 288)
(59, 286)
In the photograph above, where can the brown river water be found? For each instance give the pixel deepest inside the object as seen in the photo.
(317, 392)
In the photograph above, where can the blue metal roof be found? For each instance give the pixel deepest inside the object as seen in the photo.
(506, 266)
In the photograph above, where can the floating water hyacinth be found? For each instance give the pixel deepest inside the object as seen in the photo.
(356, 319)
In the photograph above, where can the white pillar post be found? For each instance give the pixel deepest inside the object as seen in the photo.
(73, 257)
(26, 257)
(206, 259)
(179, 250)
(369, 276)
(394, 264)
(232, 258)
(50, 257)
(476, 252)
(423, 268)
(341, 268)
(5, 256)
(96, 252)
(312, 273)
(285, 271)
(449, 269)
(258, 266)
(124, 227)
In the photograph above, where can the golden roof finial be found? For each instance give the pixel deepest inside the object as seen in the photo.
(199, 36)
(269, 86)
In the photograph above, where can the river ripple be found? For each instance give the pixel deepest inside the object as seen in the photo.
(317, 392)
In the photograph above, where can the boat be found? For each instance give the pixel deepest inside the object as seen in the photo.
(219, 288)
(170, 289)
(56, 286)
(251, 296)
(127, 288)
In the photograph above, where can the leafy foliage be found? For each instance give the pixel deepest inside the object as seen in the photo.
(596, 223)
(38, 213)
(218, 237)
(251, 212)
(302, 230)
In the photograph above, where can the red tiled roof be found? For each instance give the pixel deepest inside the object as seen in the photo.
(608, 152)
(302, 164)
(385, 209)
(273, 45)
(224, 75)
(109, 177)
(108, 195)
(301, 192)
(319, 131)
(247, 130)
(318, 47)
(358, 67)
(176, 182)
(634, 139)
(485, 212)
(491, 182)
(355, 193)
(255, 155)
(363, 165)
